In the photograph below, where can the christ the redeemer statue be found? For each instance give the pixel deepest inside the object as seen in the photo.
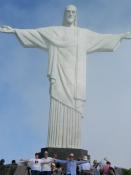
(67, 46)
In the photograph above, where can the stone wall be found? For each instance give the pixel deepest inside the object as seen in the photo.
(14, 170)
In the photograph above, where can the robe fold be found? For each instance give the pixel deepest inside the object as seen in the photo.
(67, 48)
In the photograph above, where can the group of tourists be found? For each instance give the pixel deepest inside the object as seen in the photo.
(49, 166)
(103, 167)
(53, 166)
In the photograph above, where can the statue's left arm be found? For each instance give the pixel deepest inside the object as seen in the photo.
(105, 42)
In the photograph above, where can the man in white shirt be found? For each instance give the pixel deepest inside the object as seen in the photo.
(46, 164)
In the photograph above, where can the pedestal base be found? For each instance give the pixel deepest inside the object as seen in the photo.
(62, 153)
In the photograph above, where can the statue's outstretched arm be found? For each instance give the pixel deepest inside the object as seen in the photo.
(7, 29)
(106, 42)
(29, 38)
(126, 35)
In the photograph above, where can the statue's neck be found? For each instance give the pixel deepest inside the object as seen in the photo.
(69, 25)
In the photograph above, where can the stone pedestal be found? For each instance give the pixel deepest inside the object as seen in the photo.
(62, 153)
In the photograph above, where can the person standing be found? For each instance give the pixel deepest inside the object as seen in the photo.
(46, 164)
(106, 168)
(2, 167)
(102, 163)
(85, 167)
(71, 164)
(35, 165)
(96, 168)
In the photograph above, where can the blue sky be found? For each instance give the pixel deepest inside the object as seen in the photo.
(24, 99)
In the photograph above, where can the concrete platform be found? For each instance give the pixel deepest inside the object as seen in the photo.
(62, 153)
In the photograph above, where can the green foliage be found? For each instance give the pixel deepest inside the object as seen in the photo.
(126, 171)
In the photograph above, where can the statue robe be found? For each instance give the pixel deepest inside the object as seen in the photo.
(67, 48)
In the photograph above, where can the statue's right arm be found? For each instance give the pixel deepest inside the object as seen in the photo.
(30, 38)
(7, 29)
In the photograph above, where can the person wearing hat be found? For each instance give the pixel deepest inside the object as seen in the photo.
(71, 164)
(85, 167)
(96, 167)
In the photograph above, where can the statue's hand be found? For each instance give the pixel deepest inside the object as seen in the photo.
(7, 29)
(127, 35)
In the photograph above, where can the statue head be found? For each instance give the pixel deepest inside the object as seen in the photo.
(70, 16)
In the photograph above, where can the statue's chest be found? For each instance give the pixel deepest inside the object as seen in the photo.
(73, 35)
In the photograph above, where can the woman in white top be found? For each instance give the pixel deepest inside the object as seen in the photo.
(35, 165)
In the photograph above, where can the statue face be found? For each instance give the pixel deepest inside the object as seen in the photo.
(70, 15)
